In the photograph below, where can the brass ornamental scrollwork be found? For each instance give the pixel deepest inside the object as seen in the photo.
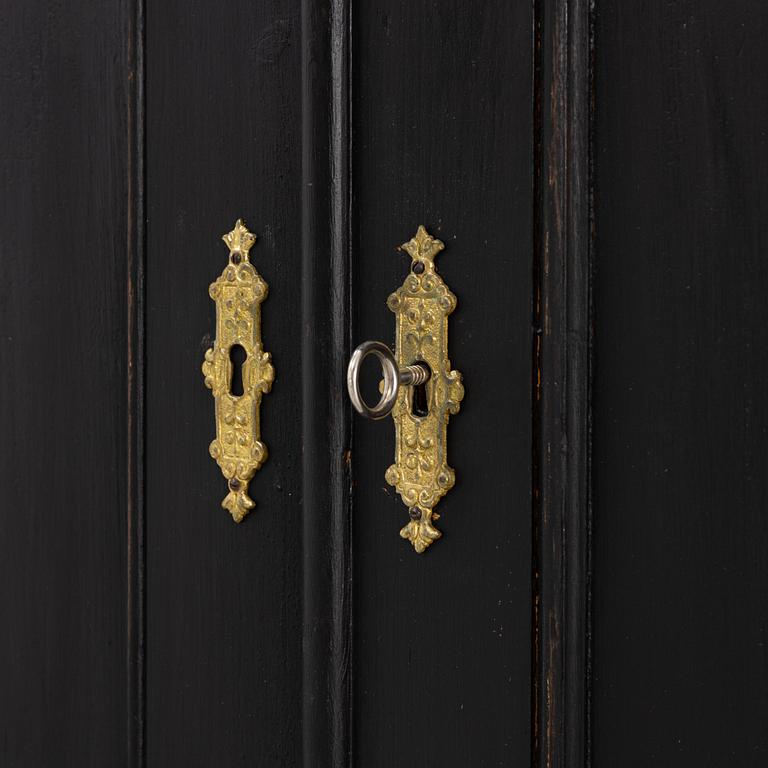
(420, 472)
(237, 447)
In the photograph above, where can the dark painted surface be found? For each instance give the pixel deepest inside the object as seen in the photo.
(561, 377)
(442, 135)
(326, 413)
(223, 600)
(248, 627)
(63, 225)
(681, 448)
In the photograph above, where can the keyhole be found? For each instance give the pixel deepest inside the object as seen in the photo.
(419, 401)
(237, 356)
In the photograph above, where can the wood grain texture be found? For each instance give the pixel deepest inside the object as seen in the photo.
(442, 136)
(136, 564)
(224, 603)
(64, 175)
(326, 422)
(681, 376)
(561, 380)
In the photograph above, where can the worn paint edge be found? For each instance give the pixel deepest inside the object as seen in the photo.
(136, 366)
(326, 415)
(562, 363)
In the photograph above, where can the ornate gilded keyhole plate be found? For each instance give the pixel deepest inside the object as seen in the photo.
(421, 473)
(419, 389)
(238, 294)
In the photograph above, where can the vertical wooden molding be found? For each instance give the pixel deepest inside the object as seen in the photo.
(562, 372)
(135, 519)
(325, 409)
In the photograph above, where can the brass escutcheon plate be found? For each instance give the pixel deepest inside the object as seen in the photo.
(238, 294)
(421, 474)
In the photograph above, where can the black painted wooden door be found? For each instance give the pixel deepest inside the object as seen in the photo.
(598, 596)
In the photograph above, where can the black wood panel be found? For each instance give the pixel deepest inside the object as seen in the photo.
(64, 210)
(561, 378)
(223, 600)
(326, 423)
(681, 447)
(135, 441)
(442, 135)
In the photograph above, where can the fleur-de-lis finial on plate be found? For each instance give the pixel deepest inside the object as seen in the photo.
(423, 247)
(239, 240)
